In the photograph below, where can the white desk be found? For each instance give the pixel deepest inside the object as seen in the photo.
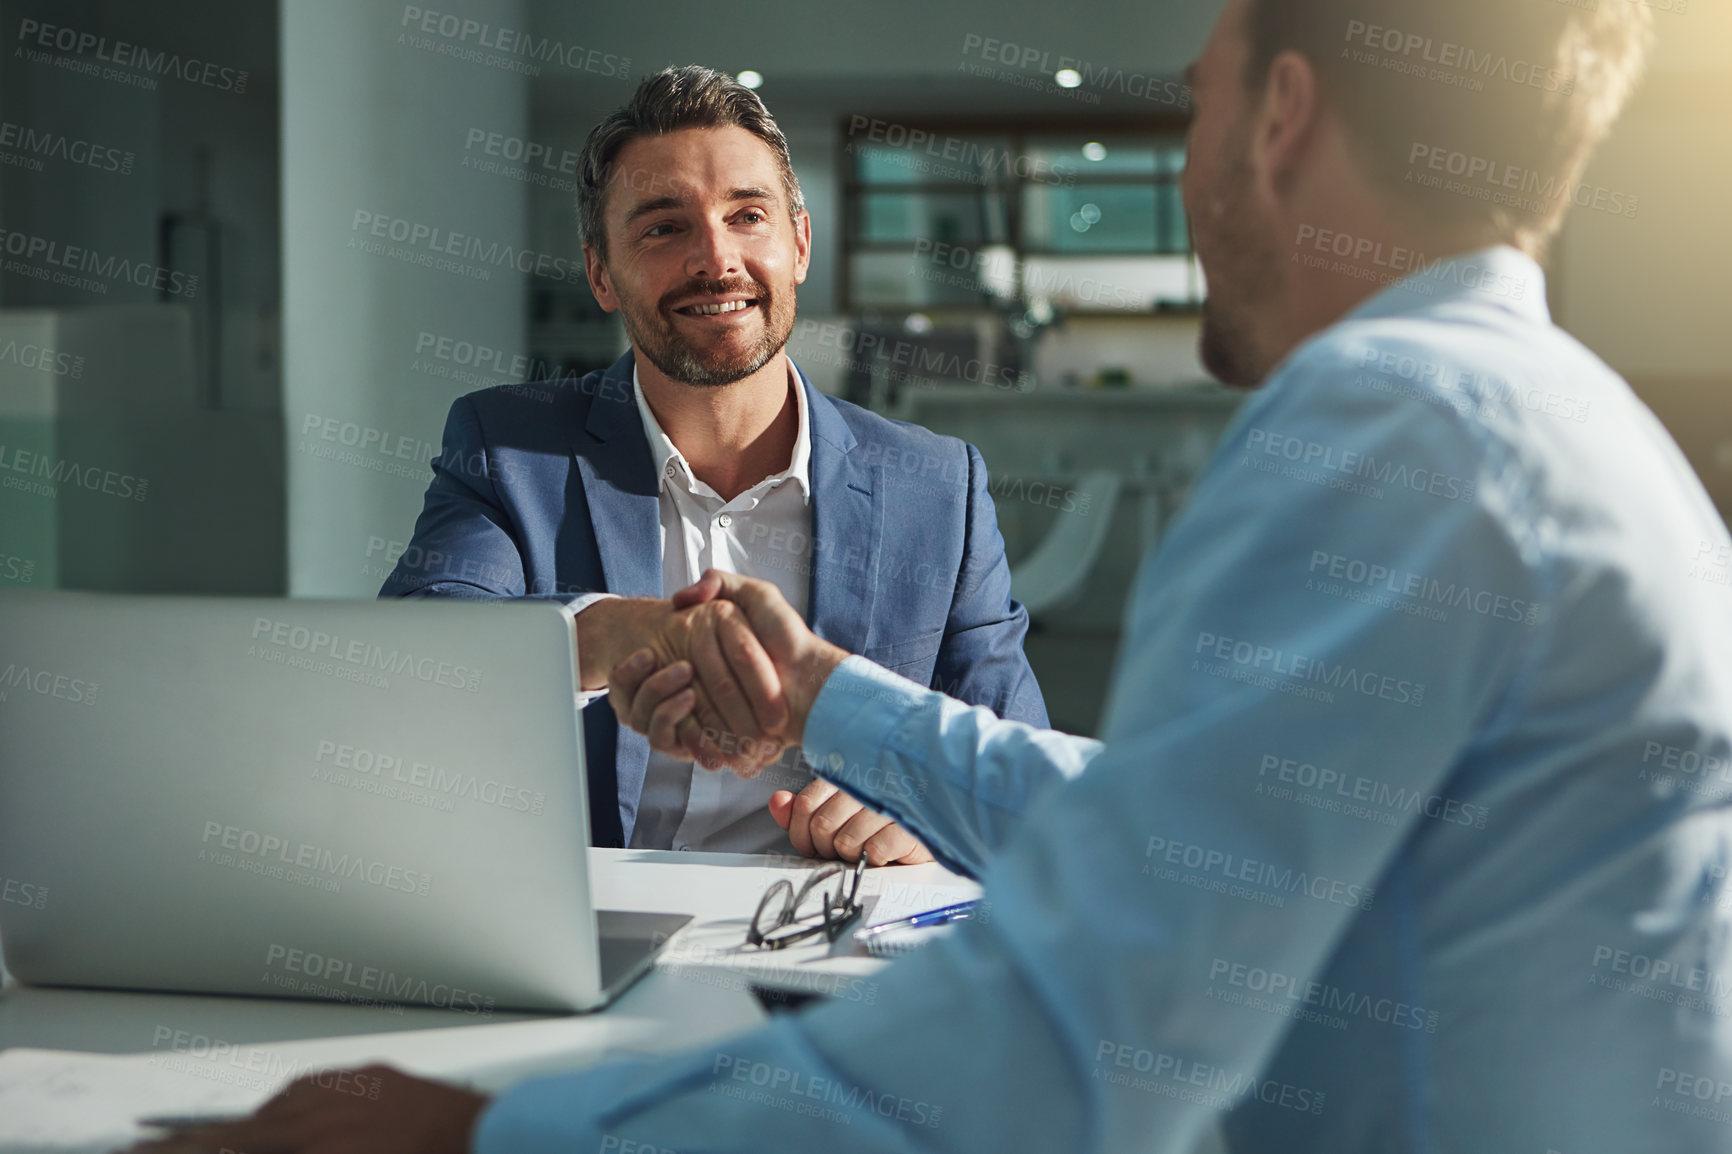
(228, 1053)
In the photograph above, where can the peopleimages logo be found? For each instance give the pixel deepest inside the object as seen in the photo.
(46, 683)
(76, 42)
(1393, 262)
(1326, 998)
(261, 853)
(429, 242)
(362, 655)
(32, 356)
(810, 1093)
(373, 771)
(501, 46)
(1176, 1077)
(1467, 390)
(952, 157)
(251, 1066)
(37, 144)
(1402, 583)
(1266, 875)
(1355, 788)
(1682, 979)
(350, 977)
(1087, 78)
(1332, 462)
(41, 257)
(45, 476)
(939, 262)
(22, 893)
(1297, 668)
(1498, 182)
(1458, 65)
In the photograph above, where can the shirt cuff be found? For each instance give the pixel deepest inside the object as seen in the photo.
(861, 702)
(587, 697)
(857, 716)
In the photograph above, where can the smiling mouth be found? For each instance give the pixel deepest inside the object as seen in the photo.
(713, 310)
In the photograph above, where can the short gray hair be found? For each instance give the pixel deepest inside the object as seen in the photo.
(669, 100)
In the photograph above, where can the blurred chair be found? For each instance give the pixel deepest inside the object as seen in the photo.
(1054, 574)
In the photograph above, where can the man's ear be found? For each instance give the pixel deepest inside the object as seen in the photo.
(599, 282)
(802, 246)
(1286, 123)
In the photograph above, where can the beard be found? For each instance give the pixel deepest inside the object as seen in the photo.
(712, 362)
(1242, 268)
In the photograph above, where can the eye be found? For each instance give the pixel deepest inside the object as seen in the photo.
(656, 229)
(753, 216)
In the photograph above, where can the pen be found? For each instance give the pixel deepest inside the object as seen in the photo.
(936, 917)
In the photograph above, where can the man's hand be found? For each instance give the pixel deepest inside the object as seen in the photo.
(824, 822)
(373, 1110)
(740, 700)
(802, 661)
(667, 707)
(666, 703)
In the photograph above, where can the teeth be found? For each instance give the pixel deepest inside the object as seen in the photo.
(712, 310)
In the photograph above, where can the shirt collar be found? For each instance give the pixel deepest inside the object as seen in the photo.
(663, 450)
(1499, 275)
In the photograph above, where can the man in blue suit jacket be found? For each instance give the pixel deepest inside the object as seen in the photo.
(706, 447)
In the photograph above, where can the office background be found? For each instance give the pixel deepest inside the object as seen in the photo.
(251, 251)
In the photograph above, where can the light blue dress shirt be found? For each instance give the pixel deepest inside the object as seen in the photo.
(1409, 832)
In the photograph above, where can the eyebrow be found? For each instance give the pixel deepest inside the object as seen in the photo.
(657, 204)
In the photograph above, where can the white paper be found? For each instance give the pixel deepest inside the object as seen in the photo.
(65, 1102)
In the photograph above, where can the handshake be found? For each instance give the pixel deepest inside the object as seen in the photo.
(725, 673)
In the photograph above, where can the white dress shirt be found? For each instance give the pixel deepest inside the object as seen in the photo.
(765, 532)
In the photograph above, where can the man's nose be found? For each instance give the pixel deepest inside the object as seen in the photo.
(714, 254)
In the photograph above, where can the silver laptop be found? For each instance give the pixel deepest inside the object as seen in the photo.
(372, 802)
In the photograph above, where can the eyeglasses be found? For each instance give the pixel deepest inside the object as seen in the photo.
(786, 916)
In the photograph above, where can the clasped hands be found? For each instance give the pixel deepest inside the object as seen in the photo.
(727, 677)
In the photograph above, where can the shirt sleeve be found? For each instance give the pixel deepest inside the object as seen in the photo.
(587, 697)
(956, 776)
(1076, 1016)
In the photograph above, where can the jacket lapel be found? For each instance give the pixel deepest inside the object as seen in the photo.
(847, 519)
(621, 488)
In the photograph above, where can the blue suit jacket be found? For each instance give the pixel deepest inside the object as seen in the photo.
(549, 491)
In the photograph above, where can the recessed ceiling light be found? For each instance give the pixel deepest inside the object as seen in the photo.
(1095, 150)
(751, 79)
(1067, 77)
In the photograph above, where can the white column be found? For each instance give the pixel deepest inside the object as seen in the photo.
(389, 240)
